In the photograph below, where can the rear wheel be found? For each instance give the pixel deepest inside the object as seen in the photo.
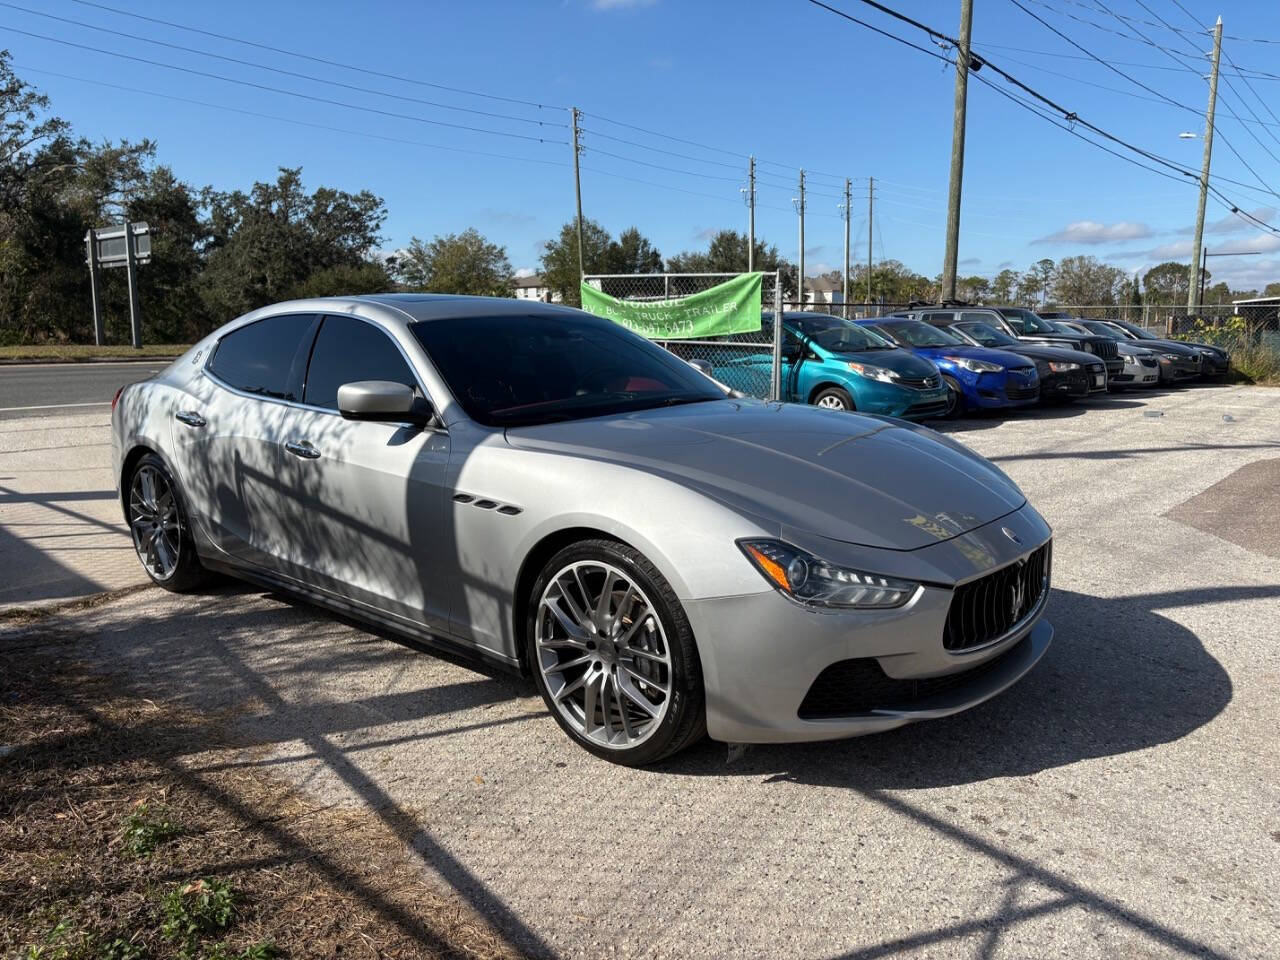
(833, 398)
(613, 654)
(159, 527)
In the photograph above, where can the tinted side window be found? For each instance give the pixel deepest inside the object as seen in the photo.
(258, 358)
(347, 350)
(987, 318)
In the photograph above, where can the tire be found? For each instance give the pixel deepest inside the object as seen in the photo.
(159, 527)
(955, 399)
(609, 699)
(834, 398)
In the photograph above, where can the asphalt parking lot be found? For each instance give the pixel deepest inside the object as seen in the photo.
(1123, 800)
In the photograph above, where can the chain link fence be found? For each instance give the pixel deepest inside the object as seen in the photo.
(746, 362)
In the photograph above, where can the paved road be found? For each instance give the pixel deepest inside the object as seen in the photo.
(43, 389)
(1122, 801)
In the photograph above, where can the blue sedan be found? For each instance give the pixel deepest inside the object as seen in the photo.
(977, 378)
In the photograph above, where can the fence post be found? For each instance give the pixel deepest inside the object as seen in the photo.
(775, 387)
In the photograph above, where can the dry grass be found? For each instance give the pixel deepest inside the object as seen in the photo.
(102, 816)
(84, 352)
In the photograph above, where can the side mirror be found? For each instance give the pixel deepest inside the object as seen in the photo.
(702, 366)
(382, 400)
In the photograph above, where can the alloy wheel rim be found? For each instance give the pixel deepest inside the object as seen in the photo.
(831, 402)
(603, 654)
(153, 521)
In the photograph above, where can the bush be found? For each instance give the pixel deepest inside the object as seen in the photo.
(1255, 354)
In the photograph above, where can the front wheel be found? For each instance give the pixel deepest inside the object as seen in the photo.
(834, 398)
(613, 654)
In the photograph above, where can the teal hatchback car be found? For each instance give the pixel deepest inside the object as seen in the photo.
(837, 364)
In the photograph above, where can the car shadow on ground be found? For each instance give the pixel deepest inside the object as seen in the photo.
(1119, 677)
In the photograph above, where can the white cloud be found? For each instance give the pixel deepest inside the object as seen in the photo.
(1092, 232)
(970, 261)
(1178, 250)
(525, 272)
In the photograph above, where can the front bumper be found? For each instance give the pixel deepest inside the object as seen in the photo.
(1137, 374)
(1174, 371)
(761, 654)
(1065, 386)
(999, 390)
(1213, 366)
(897, 401)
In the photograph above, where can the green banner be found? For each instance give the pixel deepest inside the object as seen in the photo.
(729, 307)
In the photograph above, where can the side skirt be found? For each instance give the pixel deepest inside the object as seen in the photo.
(448, 648)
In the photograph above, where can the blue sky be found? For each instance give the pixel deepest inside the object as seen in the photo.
(786, 80)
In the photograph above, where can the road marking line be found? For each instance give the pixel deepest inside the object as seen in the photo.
(57, 406)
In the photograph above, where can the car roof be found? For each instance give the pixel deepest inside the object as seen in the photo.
(405, 308)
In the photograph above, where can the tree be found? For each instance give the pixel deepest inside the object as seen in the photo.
(1087, 280)
(973, 288)
(1271, 290)
(1004, 285)
(727, 253)
(1219, 293)
(462, 263)
(268, 242)
(1166, 283)
(560, 258)
(633, 253)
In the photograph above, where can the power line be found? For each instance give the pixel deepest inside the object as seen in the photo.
(302, 123)
(1072, 119)
(314, 59)
(283, 72)
(280, 90)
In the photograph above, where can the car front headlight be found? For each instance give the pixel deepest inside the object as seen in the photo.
(815, 582)
(1171, 356)
(872, 372)
(1059, 367)
(975, 366)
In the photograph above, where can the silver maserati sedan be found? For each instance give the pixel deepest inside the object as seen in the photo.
(546, 490)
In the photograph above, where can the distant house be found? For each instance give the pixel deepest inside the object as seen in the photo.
(823, 292)
(533, 287)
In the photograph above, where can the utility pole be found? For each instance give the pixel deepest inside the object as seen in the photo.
(1193, 282)
(91, 245)
(871, 193)
(131, 276)
(800, 210)
(577, 187)
(957, 153)
(751, 215)
(847, 208)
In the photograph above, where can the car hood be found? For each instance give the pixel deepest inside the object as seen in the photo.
(859, 479)
(1006, 358)
(1056, 354)
(898, 360)
(1168, 346)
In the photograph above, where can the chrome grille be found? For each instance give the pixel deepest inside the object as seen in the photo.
(1105, 348)
(985, 609)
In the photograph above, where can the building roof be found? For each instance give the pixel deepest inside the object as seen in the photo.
(533, 280)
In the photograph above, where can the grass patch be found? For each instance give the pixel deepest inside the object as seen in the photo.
(72, 352)
(140, 830)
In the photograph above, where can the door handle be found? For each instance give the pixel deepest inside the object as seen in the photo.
(189, 418)
(302, 449)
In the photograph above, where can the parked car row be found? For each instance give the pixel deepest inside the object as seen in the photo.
(941, 361)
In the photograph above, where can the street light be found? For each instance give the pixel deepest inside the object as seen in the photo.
(1204, 262)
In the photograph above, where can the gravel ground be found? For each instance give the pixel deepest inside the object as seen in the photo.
(1123, 800)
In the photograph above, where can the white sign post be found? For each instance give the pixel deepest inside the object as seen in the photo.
(128, 246)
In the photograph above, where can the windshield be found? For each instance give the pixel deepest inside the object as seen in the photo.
(917, 333)
(987, 335)
(1136, 331)
(538, 368)
(1105, 329)
(1031, 322)
(839, 336)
